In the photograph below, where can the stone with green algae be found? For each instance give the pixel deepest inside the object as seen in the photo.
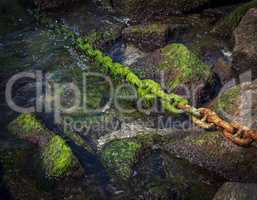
(119, 157)
(182, 66)
(57, 158)
(27, 126)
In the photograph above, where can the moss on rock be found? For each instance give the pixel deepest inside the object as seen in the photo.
(57, 158)
(28, 127)
(183, 65)
(235, 17)
(229, 100)
(119, 157)
(147, 37)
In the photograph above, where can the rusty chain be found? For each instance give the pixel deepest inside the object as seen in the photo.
(203, 117)
(206, 118)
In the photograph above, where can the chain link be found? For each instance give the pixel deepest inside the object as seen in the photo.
(206, 118)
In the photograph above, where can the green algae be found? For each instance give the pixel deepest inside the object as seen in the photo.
(119, 157)
(235, 17)
(227, 101)
(57, 158)
(26, 125)
(206, 138)
(185, 65)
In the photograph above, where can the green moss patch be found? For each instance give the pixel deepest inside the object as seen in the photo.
(27, 125)
(229, 100)
(184, 65)
(206, 138)
(119, 157)
(235, 17)
(57, 158)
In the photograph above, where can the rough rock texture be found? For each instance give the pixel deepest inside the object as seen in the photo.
(129, 7)
(239, 103)
(212, 151)
(237, 191)
(245, 50)
(27, 127)
(147, 37)
(52, 4)
(161, 176)
(231, 21)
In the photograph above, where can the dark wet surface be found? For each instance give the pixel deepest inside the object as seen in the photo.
(27, 46)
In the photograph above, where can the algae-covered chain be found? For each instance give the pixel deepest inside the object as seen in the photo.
(149, 90)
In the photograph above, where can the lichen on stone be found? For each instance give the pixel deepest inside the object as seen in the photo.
(57, 158)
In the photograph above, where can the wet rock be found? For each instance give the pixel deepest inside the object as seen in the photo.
(131, 55)
(223, 69)
(212, 151)
(157, 7)
(56, 158)
(175, 66)
(147, 37)
(245, 50)
(106, 38)
(159, 175)
(213, 15)
(238, 103)
(28, 127)
(236, 191)
(46, 4)
(119, 156)
(225, 27)
(15, 158)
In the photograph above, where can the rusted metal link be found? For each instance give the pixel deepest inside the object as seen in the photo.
(241, 140)
(212, 117)
(206, 118)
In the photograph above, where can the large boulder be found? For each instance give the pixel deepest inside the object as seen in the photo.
(236, 191)
(245, 50)
(212, 151)
(175, 66)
